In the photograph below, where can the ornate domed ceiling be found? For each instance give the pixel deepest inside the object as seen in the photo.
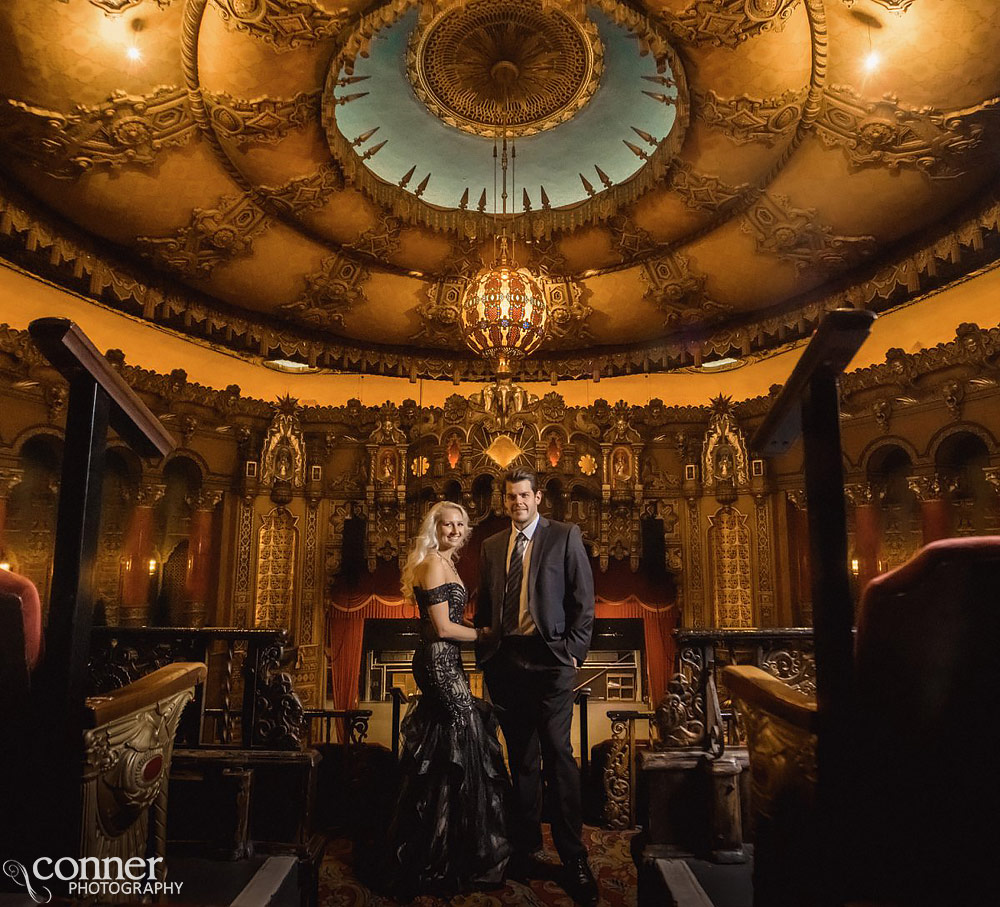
(692, 179)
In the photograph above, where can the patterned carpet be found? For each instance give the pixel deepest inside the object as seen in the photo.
(610, 859)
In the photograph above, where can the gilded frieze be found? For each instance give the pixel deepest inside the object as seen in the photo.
(746, 119)
(120, 6)
(331, 292)
(124, 130)
(261, 121)
(284, 24)
(212, 236)
(726, 23)
(793, 235)
(886, 133)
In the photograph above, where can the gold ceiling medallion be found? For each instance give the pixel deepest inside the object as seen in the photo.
(505, 62)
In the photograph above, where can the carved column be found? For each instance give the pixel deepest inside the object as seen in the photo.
(199, 564)
(9, 478)
(798, 547)
(935, 509)
(867, 530)
(137, 549)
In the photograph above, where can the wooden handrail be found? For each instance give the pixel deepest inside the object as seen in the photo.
(832, 347)
(72, 354)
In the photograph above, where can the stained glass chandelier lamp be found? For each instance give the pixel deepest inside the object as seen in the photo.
(503, 312)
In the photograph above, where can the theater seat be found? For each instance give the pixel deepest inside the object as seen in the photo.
(922, 741)
(31, 613)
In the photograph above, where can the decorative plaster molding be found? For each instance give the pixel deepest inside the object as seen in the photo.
(330, 293)
(702, 191)
(126, 129)
(794, 235)
(745, 120)
(284, 24)
(726, 23)
(212, 236)
(305, 193)
(261, 121)
(885, 133)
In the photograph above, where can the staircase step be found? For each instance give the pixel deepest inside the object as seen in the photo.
(261, 890)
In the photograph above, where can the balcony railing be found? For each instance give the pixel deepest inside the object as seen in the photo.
(247, 702)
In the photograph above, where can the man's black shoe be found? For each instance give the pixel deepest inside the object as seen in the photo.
(581, 882)
(523, 867)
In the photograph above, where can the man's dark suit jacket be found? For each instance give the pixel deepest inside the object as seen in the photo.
(560, 589)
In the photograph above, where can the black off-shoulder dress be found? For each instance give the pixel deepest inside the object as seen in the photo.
(449, 829)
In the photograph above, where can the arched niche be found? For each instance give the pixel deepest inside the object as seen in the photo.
(960, 459)
(888, 469)
(553, 498)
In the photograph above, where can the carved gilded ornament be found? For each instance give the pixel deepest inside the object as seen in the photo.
(678, 291)
(284, 24)
(212, 236)
(587, 465)
(380, 241)
(929, 488)
(724, 452)
(680, 715)
(261, 121)
(305, 193)
(331, 292)
(746, 120)
(126, 763)
(782, 761)
(726, 23)
(124, 130)
(702, 191)
(468, 58)
(388, 431)
(283, 457)
(885, 133)
(793, 235)
(522, 66)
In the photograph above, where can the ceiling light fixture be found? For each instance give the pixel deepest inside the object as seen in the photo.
(133, 53)
(290, 366)
(872, 61)
(503, 313)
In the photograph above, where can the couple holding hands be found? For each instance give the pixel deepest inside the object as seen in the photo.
(460, 822)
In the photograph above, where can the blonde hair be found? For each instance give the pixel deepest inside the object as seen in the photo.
(426, 541)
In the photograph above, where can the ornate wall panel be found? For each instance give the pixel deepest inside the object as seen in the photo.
(732, 580)
(277, 543)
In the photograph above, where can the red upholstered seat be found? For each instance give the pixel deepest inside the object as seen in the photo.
(926, 734)
(31, 612)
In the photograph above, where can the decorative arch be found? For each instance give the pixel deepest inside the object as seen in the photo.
(33, 431)
(973, 428)
(186, 453)
(875, 447)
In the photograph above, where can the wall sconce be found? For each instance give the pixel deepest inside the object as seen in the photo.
(855, 566)
(152, 566)
(5, 565)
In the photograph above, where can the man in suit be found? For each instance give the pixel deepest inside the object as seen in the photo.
(536, 597)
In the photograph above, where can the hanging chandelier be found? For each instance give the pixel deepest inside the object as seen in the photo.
(503, 314)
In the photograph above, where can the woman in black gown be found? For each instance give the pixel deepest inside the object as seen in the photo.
(448, 833)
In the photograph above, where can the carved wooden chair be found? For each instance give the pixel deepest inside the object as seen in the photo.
(86, 776)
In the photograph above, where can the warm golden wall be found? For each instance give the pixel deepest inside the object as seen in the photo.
(246, 523)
